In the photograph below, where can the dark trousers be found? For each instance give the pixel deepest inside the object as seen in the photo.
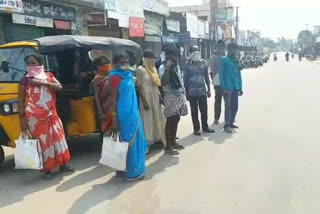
(171, 130)
(199, 102)
(231, 99)
(217, 102)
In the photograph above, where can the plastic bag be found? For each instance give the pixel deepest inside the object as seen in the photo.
(114, 153)
(28, 153)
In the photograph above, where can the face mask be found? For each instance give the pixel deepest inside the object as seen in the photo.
(35, 71)
(104, 69)
(195, 56)
(125, 67)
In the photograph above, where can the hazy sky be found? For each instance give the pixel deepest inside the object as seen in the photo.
(274, 18)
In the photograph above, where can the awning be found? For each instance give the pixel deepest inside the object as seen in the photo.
(62, 25)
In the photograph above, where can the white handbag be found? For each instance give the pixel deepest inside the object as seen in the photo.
(28, 153)
(114, 153)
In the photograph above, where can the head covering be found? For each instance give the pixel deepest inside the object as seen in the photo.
(37, 72)
(102, 74)
(150, 66)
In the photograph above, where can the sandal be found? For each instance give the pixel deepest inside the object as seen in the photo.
(177, 146)
(140, 177)
(66, 168)
(47, 176)
(171, 151)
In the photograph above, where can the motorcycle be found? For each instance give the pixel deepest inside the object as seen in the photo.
(275, 58)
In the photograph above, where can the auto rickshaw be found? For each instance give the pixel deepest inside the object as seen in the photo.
(70, 59)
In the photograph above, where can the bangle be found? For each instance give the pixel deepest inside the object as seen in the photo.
(113, 114)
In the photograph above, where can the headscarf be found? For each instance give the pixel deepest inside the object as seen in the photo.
(102, 74)
(174, 79)
(150, 66)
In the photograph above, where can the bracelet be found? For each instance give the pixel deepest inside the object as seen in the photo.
(113, 114)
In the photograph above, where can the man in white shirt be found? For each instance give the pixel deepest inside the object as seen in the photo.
(214, 67)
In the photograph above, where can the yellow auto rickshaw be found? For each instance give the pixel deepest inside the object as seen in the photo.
(70, 59)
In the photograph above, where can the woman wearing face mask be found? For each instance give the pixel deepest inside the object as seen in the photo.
(38, 115)
(126, 119)
(148, 82)
(101, 93)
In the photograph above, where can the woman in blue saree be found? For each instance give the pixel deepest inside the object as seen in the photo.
(126, 119)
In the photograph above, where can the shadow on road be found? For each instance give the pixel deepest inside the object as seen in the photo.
(115, 186)
(219, 137)
(15, 185)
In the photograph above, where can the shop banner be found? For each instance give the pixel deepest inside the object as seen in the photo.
(192, 25)
(224, 15)
(122, 18)
(62, 25)
(153, 24)
(15, 6)
(110, 5)
(95, 19)
(184, 37)
(32, 20)
(173, 25)
(136, 27)
(132, 8)
(201, 29)
(48, 10)
(170, 39)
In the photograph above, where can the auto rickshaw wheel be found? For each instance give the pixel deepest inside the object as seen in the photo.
(1, 155)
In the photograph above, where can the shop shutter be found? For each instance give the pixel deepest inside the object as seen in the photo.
(16, 32)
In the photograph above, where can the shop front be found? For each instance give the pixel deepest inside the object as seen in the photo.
(153, 32)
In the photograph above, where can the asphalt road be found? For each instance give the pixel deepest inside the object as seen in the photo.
(271, 165)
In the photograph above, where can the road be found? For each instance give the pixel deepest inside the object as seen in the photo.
(271, 165)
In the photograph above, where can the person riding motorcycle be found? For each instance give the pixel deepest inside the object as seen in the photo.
(275, 58)
(287, 56)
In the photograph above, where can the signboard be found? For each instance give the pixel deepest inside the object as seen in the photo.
(122, 18)
(110, 5)
(201, 29)
(132, 8)
(32, 20)
(150, 4)
(184, 37)
(173, 25)
(93, 19)
(48, 10)
(11, 6)
(192, 25)
(62, 25)
(224, 15)
(136, 27)
(170, 39)
(153, 24)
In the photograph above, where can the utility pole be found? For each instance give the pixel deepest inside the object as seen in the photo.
(237, 24)
(213, 26)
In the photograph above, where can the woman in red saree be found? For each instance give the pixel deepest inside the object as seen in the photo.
(38, 115)
(102, 94)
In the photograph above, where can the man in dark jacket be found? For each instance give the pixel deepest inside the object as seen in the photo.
(196, 78)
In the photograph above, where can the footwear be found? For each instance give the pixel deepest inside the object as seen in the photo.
(157, 145)
(216, 122)
(234, 127)
(177, 146)
(140, 177)
(228, 130)
(197, 133)
(47, 176)
(171, 151)
(177, 138)
(120, 173)
(66, 168)
(208, 130)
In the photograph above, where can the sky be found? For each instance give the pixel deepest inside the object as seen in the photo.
(274, 18)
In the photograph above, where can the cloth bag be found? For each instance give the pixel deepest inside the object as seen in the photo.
(114, 152)
(28, 153)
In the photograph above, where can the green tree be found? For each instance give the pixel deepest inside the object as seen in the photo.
(305, 39)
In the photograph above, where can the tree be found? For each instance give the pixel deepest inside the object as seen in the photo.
(268, 43)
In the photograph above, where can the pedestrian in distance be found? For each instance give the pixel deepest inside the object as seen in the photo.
(126, 118)
(231, 86)
(148, 82)
(197, 86)
(39, 117)
(174, 98)
(215, 70)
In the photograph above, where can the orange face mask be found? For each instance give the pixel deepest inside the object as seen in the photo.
(104, 68)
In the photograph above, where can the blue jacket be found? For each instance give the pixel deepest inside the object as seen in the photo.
(230, 75)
